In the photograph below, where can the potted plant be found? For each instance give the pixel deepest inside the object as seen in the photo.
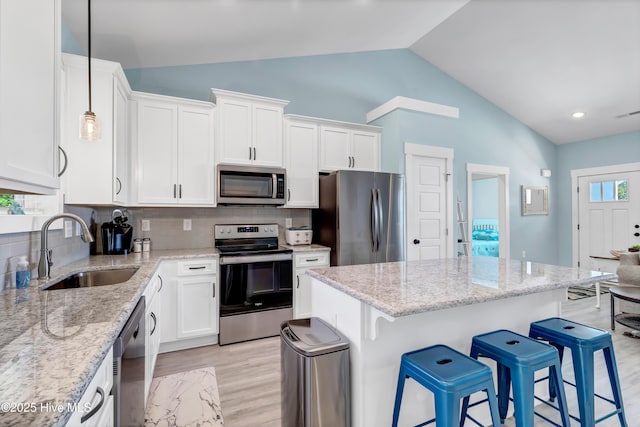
(634, 248)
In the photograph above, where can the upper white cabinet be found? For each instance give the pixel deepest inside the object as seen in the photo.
(173, 151)
(29, 95)
(95, 172)
(349, 146)
(249, 129)
(301, 161)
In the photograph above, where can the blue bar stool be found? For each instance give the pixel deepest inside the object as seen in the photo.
(583, 341)
(450, 376)
(518, 358)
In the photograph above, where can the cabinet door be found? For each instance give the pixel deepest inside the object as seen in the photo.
(157, 175)
(29, 41)
(195, 155)
(334, 149)
(267, 135)
(365, 151)
(302, 294)
(235, 143)
(301, 155)
(89, 172)
(167, 294)
(120, 145)
(196, 308)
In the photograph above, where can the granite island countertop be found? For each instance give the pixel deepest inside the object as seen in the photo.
(410, 287)
(52, 342)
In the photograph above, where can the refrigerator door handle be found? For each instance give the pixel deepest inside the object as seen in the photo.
(374, 220)
(380, 218)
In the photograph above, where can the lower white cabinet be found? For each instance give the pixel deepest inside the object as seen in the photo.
(189, 304)
(302, 283)
(96, 398)
(152, 330)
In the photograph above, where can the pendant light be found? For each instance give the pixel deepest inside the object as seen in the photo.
(89, 123)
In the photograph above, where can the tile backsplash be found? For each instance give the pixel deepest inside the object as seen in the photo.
(166, 232)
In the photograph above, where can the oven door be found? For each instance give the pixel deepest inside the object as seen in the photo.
(255, 282)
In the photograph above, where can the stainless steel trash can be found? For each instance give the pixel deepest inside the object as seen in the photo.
(316, 388)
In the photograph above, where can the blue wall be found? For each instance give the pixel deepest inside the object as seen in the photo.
(612, 150)
(69, 42)
(347, 86)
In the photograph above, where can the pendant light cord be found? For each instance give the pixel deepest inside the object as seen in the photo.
(89, 48)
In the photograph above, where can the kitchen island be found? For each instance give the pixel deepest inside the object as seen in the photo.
(391, 308)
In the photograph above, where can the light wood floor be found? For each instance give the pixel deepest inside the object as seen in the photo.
(249, 373)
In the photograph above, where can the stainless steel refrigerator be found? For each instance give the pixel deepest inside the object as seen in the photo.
(361, 217)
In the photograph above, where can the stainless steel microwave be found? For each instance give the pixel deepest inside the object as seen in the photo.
(251, 185)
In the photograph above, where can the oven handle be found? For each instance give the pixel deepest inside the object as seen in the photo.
(246, 259)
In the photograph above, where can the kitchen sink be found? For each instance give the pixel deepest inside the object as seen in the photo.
(86, 279)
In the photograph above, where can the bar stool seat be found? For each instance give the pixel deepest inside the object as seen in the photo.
(518, 358)
(450, 376)
(583, 341)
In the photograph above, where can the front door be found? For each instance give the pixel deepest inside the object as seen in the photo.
(608, 215)
(428, 200)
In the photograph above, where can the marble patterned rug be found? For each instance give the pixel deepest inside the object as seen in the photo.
(185, 399)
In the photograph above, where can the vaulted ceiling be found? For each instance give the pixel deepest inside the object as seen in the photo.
(539, 60)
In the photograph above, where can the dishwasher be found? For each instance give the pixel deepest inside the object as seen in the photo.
(129, 354)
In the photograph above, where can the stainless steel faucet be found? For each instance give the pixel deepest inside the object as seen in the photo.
(45, 263)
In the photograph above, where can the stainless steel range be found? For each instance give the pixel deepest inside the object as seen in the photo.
(256, 277)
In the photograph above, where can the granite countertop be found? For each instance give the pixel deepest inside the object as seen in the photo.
(307, 248)
(409, 287)
(52, 342)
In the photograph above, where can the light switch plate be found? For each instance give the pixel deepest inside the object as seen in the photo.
(78, 229)
(68, 229)
(186, 224)
(146, 225)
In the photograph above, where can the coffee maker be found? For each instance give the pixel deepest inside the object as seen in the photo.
(116, 235)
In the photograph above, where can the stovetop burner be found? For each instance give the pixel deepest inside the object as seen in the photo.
(248, 239)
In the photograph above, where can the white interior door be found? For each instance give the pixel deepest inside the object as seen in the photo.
(608, 214)
(429, 194)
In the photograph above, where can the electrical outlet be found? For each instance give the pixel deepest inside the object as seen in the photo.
(186, 224)
(288, 222)
(68, 229)
(524, 254)
(146, 225)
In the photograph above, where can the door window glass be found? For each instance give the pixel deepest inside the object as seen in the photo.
(609, 191)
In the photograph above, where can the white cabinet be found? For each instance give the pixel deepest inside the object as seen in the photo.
(189, 304)
(173, 152)
(249, 129)
(152, 330)
(96, 172)
(98, 395)
(301, 161)
(302, 283)
(349, 146)
(29, 95)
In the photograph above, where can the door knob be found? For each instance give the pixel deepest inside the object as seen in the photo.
(416, 241)
(636, 234)
(636, 226)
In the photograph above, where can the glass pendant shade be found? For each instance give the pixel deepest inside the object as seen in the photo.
(90, 129)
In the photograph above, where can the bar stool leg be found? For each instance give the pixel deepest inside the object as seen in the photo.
(495, 417)
(447, 410)
(402, 376)
(584, 368)
(552, 379)
(504, 387)
(555, 371)
(610, 359)
(523, 388)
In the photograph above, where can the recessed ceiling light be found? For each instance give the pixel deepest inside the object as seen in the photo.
(577, 115)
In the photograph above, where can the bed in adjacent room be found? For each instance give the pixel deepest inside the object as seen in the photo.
(485, 237)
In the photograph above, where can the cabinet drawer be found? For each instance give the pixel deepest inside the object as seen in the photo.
(92, 397)
(312, 259)
(198, 266)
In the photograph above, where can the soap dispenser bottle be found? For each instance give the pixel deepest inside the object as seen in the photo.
(23, 273)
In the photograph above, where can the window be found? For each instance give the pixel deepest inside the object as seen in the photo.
(609, 191)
